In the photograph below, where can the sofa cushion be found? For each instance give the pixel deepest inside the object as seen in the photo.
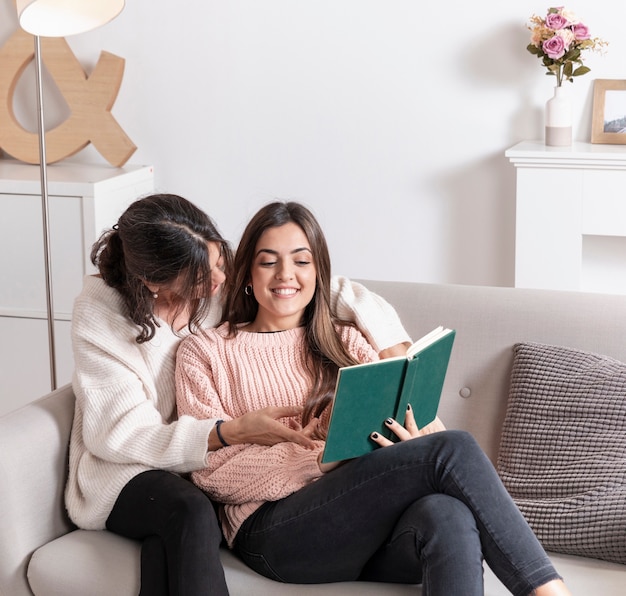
(563, 449)
(97, 563)
(100, 563)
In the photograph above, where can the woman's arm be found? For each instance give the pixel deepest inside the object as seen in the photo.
(262, 427)
(126, 410)
(373, 315)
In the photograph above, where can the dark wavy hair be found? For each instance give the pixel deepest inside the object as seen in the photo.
(326, 352)
(159, 239)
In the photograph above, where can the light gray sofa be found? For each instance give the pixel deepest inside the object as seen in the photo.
(42, 553)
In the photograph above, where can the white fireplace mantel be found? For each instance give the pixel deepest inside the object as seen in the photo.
(567, 198)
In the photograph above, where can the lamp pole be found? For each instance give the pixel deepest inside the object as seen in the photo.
(57, 18)
(45, 209)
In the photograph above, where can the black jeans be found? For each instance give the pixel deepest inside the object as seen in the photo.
(180, 535)
(421, 511)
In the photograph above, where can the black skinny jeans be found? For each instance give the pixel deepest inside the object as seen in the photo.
(421, 511)
(180, 535)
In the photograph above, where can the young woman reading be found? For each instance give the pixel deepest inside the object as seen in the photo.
(425, 510)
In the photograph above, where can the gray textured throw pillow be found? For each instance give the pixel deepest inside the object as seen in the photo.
(563, 449)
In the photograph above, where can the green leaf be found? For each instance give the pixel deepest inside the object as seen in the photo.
(533, 49)
(581, 70)
(573, 54)
(567, 70)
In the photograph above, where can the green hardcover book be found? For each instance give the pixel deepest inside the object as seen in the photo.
(367, 394)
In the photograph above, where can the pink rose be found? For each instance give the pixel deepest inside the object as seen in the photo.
(554, 47)
(580, 31)
(555, 21)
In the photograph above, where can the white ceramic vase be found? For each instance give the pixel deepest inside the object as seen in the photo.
(558, 119)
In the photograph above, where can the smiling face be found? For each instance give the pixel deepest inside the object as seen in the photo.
(283, 278)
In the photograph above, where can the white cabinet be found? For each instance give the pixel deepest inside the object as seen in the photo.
(570, 216)
(84, 200)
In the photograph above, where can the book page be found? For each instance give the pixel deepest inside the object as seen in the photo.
(428, 339)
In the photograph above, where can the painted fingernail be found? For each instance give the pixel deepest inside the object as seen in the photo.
(408, 407)
(374, 435)
(389, 421)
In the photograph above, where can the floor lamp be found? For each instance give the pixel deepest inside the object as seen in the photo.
(57, 18)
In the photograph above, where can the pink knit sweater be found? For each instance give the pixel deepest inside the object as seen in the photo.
(220, 377)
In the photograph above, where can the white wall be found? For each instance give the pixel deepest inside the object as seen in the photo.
(389, 118)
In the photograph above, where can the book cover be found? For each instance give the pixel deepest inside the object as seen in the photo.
(367, 394)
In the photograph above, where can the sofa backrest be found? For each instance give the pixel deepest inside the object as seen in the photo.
(33, 467)
(489, 320)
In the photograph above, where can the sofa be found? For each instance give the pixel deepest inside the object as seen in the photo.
(41, 552)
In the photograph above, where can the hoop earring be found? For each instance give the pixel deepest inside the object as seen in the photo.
(248, 290)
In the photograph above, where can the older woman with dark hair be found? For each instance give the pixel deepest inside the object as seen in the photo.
(160, 271)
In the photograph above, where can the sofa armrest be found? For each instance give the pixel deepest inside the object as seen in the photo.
(33, 468)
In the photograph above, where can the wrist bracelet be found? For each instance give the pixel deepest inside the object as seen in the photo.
(219, 433)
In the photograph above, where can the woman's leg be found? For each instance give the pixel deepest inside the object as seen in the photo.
(177, 522)
(153, 566)
(329, 530)
(436, 543)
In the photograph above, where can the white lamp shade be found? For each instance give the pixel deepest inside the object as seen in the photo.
(60, 18)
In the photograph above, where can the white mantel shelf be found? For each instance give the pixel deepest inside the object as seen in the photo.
(535, 154)
(568, 199)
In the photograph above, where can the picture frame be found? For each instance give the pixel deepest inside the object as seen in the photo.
(608, 125)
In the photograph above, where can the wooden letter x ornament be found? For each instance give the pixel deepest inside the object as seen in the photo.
(90, 100)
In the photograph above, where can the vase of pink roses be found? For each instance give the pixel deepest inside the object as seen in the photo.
(559, 40)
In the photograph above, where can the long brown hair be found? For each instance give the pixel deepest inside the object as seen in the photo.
(159, 239)
(326, 352)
